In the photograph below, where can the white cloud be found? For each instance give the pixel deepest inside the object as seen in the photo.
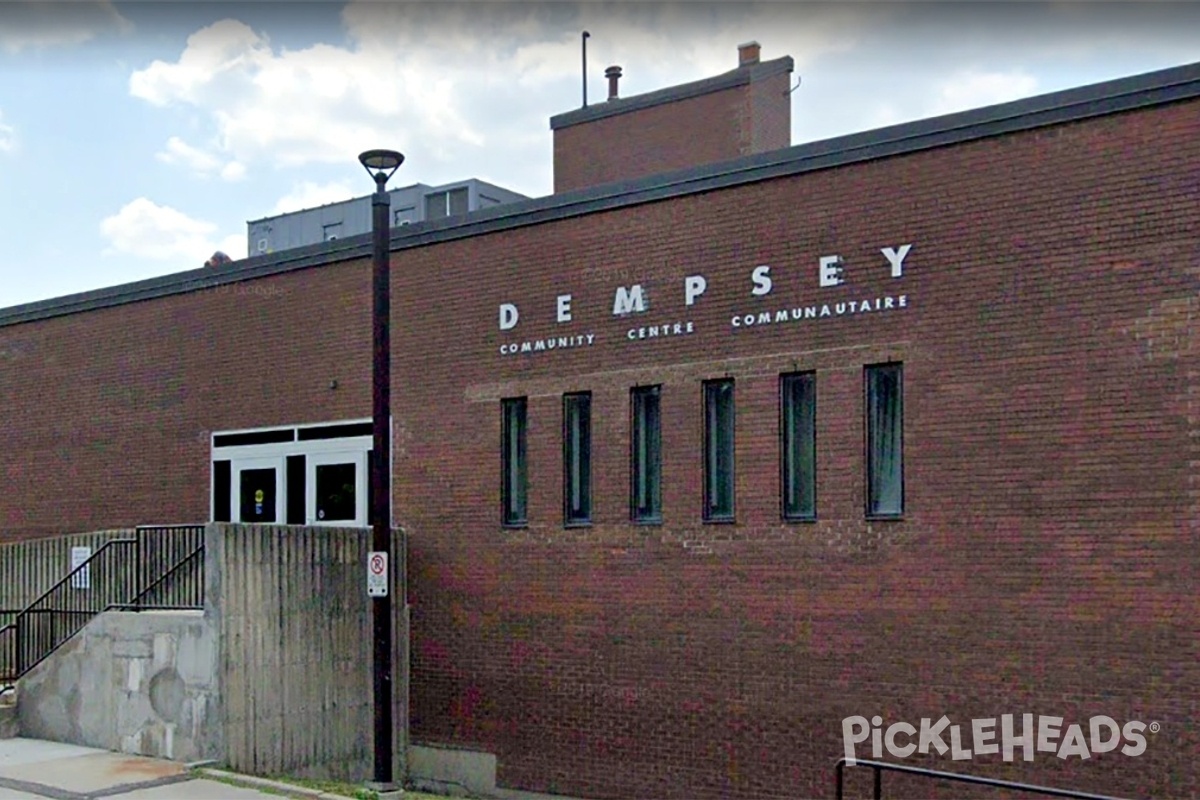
(960, 92)
(145, 229)
(233, 245)
(233, 171)
(320, 104)
(36, 24)
(221, 50)
(467, 89)
(8, 136)
(182, 153)
(448, 83)
(307, 194)
(975, 89)
(179, 152)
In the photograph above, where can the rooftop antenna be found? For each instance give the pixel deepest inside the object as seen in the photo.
(584, 42)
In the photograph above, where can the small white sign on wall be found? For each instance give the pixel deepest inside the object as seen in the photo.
(377, 574)
(81, 579)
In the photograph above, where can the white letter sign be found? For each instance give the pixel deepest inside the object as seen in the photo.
(831, 271)
(693, 287)
(896, 259)
(508, 316)
(564, 308)
(626, 301)
(762, 280)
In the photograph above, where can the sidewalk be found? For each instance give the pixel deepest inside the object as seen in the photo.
(37, 770)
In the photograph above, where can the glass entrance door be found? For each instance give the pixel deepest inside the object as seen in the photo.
(299, 475)
(337, 489)
(256, 489)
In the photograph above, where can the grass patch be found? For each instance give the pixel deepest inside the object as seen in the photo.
(234, 782)
(354, 791)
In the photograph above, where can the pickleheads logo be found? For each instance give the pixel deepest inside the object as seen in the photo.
(902, 739)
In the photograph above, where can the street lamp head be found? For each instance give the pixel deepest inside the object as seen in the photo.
(381, 164)
(381, 159)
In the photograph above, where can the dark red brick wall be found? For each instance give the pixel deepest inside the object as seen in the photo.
(752, 118)
(1046, 562)
(768, 119)
(108, 414)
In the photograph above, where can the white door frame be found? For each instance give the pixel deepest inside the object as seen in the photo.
(237, 466)
(335, 450)
(358, 458)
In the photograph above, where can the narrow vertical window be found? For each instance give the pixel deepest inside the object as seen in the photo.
(797, 446)
(645, 457)
(718, 451)
(513, 467)
(577, 458)
(885, 440)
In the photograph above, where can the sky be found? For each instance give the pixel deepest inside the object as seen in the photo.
(138, 138)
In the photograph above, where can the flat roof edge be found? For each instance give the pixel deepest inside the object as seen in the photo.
(1097, 100)
(334, 203)
(623, 105)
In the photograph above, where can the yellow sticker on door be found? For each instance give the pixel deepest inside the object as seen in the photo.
(258, 495)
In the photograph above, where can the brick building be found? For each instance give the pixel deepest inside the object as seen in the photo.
(696, 465)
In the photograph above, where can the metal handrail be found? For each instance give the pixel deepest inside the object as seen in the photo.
(18, 666)
(23, 660)
(136, 602)
(70, 575)
(881, 766)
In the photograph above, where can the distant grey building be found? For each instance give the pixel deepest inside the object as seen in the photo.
(410, 204)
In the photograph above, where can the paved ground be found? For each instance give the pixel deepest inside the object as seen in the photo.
(36, 770)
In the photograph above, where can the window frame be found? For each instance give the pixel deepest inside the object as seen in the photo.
(581, 403)
(273, 464)
(520, 406)
(651, 467)
(351, 438)
(710, 392)
(356, 458)
(444, 199)
(870, 501)
(786, 468)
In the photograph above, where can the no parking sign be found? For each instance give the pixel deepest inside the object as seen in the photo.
(377, 574)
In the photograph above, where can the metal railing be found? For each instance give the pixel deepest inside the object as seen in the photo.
(171, 567)
(881, 766)
(161, 567)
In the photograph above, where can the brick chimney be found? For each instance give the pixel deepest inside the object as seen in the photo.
(737, 113)
(748, 54)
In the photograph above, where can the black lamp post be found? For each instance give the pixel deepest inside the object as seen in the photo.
(381, 165)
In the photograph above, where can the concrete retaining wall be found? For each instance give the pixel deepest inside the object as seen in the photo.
(452, 771)
(273, 677)
(9, 726)
(142, 683)
(291, 608)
